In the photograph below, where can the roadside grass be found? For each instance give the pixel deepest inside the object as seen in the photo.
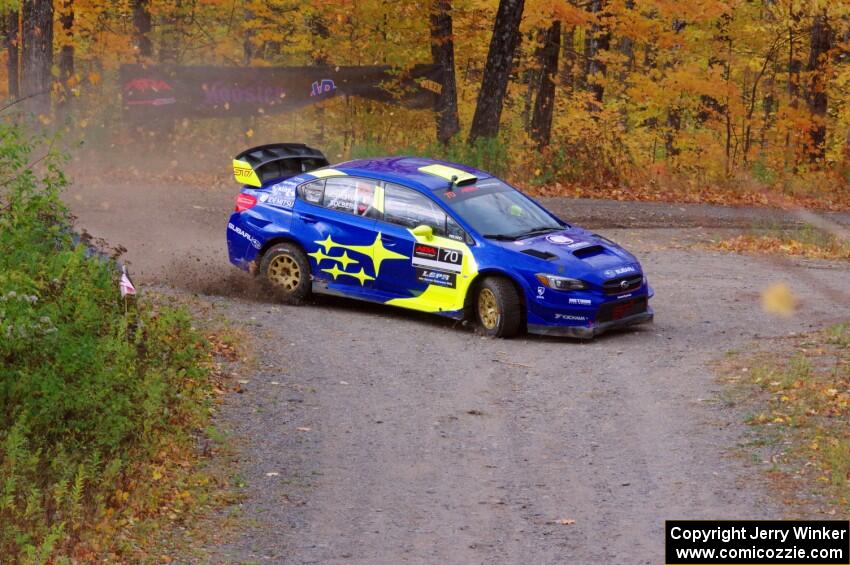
(806, 242)
(797, 395)
(103, 401)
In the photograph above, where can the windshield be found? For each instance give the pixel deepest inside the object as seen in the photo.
(498, 211)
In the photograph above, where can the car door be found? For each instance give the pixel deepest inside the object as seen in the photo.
(436, 271)
(335, 222)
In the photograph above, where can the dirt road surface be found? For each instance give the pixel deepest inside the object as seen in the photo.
(373, 435)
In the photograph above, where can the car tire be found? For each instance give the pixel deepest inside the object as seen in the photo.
(498, 307)
(286, 270)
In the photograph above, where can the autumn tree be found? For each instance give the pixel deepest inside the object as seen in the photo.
(816, 96)
(66, 51)
(12, 23)
(142, 28)
(37, 57)
(544, 104)
(597, 41)
(443, 55)
(494, 85)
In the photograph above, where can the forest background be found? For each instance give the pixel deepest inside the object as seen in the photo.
(736, 101)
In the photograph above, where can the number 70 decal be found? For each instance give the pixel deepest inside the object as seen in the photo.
(442, 258)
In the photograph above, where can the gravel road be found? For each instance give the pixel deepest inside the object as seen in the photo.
(373, 435)
(430, 444)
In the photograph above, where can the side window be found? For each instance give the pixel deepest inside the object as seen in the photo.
(351, 195)
(312, 191)
(453, 229)
(409, 208)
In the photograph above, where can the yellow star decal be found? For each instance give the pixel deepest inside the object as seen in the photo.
(361, 276)
(334, 271)
(327, 243)
(378, 252)
(319, 256)
(344, 260)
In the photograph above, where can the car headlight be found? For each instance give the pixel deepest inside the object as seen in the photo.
(560, 283)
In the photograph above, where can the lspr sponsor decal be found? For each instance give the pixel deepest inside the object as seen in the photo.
(439, 278)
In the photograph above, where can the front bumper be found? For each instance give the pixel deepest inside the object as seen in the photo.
(582, 332)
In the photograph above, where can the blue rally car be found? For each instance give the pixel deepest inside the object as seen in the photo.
(430, 236)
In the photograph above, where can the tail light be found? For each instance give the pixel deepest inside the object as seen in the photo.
(245, 201)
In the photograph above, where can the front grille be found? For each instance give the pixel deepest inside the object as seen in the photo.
(622, 284)
(613, 311)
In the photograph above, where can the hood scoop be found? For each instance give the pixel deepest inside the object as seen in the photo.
(588, 251)
(545, 255)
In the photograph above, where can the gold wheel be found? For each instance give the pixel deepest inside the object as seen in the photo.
(284, 272)
(488, 308)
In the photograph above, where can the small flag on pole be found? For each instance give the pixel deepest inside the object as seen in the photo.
(125, 284)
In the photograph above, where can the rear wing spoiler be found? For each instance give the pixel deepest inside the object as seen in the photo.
(274, 161)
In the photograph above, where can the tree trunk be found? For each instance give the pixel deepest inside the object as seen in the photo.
(66, 54)
(598, 39)
(544, 105)
(816, 97)
(531, 76)
(626, 47)
(569, 59)
(443, 55)
(674, 124)
(674, 112)
(12, 25)
(248, 39)
(142, 25)
(488, 109)
(37, 54)
(170, 37)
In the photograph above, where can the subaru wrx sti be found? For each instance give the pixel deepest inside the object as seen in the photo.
(427, 235)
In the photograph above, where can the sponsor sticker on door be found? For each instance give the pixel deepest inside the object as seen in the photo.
(440, 258)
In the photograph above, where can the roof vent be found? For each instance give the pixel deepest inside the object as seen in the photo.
(446, 172)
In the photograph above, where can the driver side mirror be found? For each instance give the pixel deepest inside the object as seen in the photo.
(424, 231)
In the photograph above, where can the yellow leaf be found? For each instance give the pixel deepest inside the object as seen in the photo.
(778, 299)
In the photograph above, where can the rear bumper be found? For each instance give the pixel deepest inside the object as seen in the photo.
(589, 333)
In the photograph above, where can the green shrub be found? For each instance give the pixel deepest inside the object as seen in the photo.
(91, 387)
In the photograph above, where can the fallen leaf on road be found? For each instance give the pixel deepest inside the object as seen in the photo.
(778, 299)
